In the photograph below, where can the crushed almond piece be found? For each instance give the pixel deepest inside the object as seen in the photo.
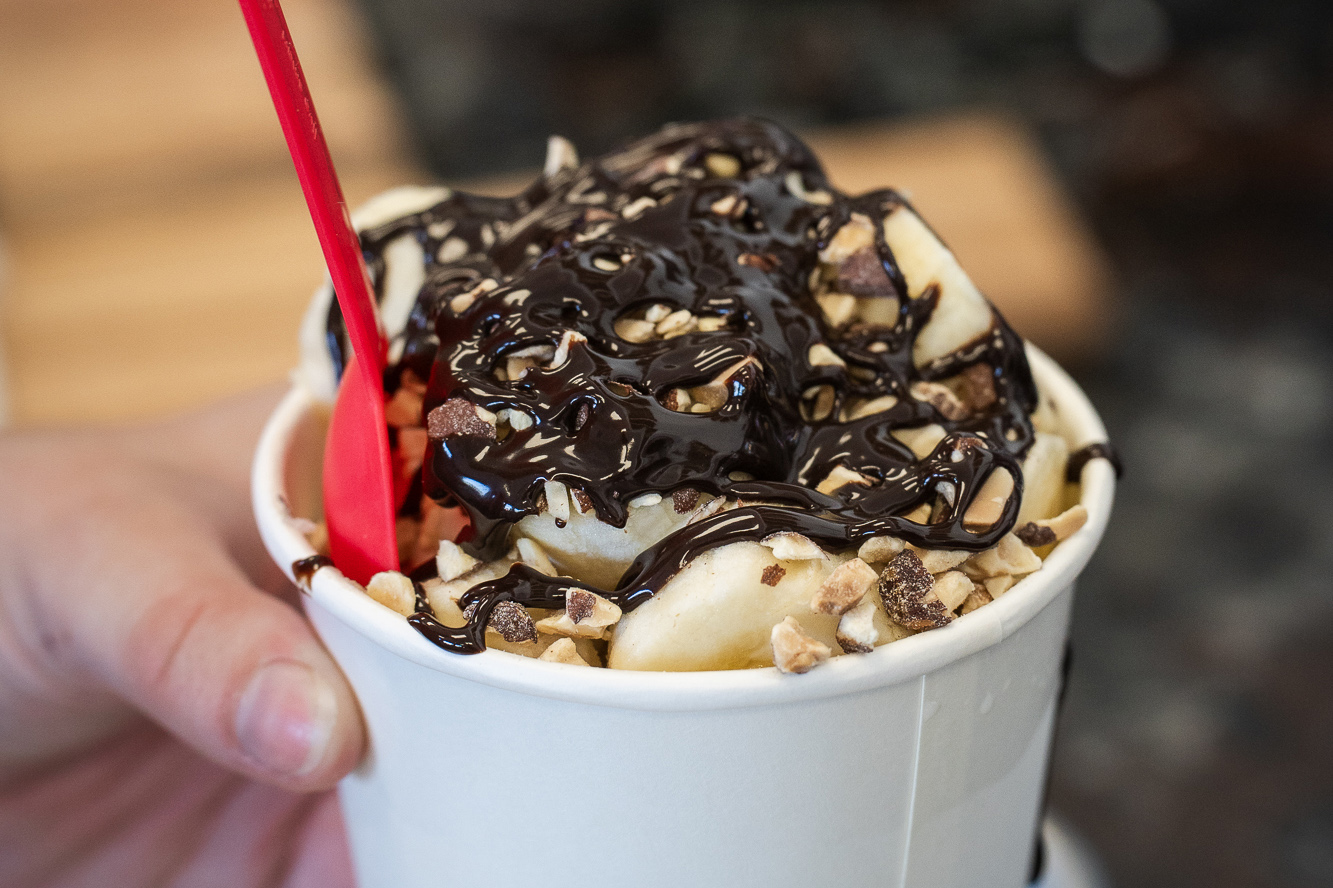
(394, 591)
(907, 590)
(838, 308)
(856, 234)
(997, 586)
(941, 398)
(772, 575)
(586, 615)
(856, 630)
(557, 500)
(451, 562)
(844, 588)
(512, 622)
(880, 548)
(794, 651)
(531, 553)
(723, 166)
(563, 650)
(789, 546)
(582, 501)
(1008, 557)
(937, 561)
(820, 355)
(458, 417)
(988, 505)
(840, 477)
(952, 588)
(977, 598)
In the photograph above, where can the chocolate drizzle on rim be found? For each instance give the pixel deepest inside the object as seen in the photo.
(576, 262)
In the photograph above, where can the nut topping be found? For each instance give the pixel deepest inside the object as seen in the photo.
(907, 590)
(793, 650)
(845, 587)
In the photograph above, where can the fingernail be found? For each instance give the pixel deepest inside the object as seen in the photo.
(285, 718)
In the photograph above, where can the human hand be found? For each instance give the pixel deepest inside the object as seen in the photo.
(163, 720)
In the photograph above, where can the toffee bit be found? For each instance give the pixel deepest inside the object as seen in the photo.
(773, 575)
(579, 605)
(461, 418)
(906, 588)
(511, 620)
(684, 499)
(862, 274)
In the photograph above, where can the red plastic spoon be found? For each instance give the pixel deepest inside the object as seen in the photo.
(358, 484)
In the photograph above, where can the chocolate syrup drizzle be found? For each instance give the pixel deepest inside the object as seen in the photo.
(567, 256)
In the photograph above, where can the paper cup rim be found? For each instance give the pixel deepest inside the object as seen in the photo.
(888, 664)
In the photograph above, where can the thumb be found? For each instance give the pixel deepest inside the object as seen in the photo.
(167, 620)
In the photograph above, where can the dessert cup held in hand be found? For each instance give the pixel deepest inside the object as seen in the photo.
(919, 764)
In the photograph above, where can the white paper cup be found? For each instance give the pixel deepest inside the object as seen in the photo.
(920, 764)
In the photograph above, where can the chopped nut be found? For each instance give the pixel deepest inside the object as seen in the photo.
(838, 308)
(941, 398)
(820, 355)
(563, 650)
(678, 400)
(788, 546)
(586, 615)
(871, 407)
(557, 500)
(567, 341)
(1054, 530)
(997, 586)
(796, 185)
(512, 622)
(952, 588)
(976, 387)
(880, 549)
(711, 324)
(978, 597)
(582, 502)
(394, 591)
(862, 274)
(676, 321)
(817, 402)
(856, 630)
(988, 505)
(579, 605)
(515, 419)
(937, 561)
(772, 575)
(763, 261)
(857, 233)
(634, 330)
(919, 515)
(635, 209)
(644, 500)
(723, 166)
(710, 397)
(452, 562)
(844, 588)
(724, 206)
(840, 477)
(1009, 557)
(793, 650)
(707, 510)
(656, 312)
(906, 588)
(458, 417)
(534, 556)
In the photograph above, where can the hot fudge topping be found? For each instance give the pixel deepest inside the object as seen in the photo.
(651, 322)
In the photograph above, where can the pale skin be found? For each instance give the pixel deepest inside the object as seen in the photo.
(167, 717)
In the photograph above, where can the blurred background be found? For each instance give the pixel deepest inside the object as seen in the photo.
(1144, 186)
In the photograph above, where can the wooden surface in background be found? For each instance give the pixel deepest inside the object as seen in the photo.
(159, 251)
